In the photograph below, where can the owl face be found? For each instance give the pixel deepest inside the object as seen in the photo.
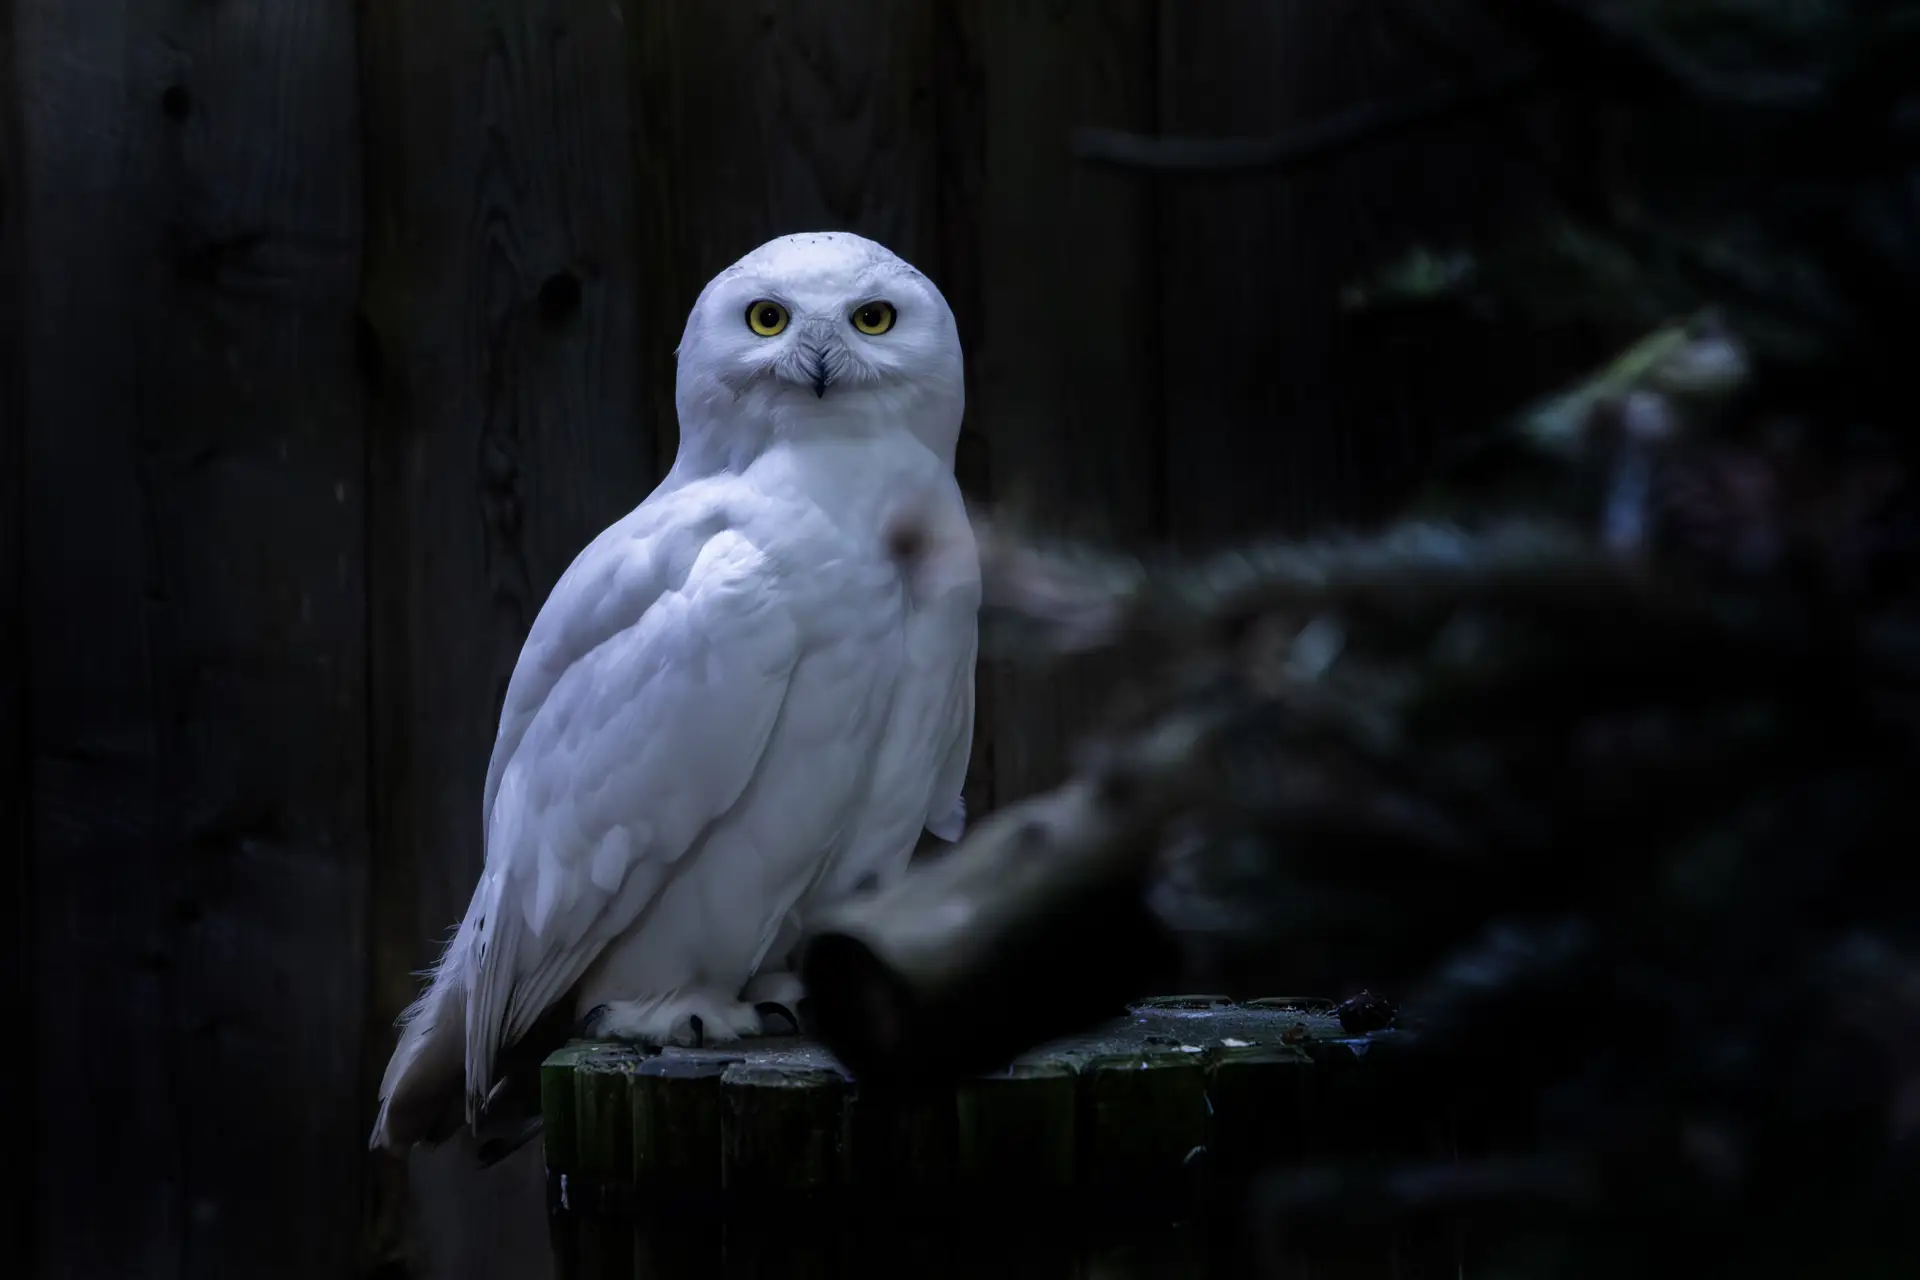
(822, 328)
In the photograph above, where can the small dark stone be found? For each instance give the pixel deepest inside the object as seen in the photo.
(176, 101)
(1365, 1012)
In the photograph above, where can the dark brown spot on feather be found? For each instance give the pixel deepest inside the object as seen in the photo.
(906, 541)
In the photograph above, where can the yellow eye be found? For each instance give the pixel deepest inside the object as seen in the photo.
(875, 318)
(766, 317)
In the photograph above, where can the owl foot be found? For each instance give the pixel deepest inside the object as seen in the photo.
(689, 1019)
(777, 995)
(779, 988)
(772, 1015)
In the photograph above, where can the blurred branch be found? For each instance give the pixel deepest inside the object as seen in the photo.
(1611, 758)
(1578, 38)
(1034, 926)
(1611, 47)
(1319, 141)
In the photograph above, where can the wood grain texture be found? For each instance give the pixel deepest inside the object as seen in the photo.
(1010, 1136)
(1063, 371)
(499, 330)
(17, 1071)
(197, 633)
(1273, 424)
(1127, 1149)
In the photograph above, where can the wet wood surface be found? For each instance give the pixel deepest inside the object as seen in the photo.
(1130, 1147)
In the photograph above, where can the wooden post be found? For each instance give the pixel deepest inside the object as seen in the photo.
(1091, 1151)
(678, 1105)
(1145, 1112)
(784, 1129)
(1254, 1092)
(1017, 1128)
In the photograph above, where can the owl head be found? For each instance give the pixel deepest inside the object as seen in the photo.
(813, 336)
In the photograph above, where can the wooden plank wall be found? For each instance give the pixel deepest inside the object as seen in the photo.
(499, 331)
(348, 324)
(17, 1069)
(1273, 421)
(196, 595)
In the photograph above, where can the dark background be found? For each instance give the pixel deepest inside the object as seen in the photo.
(329, 332)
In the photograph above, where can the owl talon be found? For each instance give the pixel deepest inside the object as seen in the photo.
(689, 1019)
(585, 1028)
(773, 1008)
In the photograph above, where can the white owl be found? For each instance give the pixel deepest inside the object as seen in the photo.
(743, 700)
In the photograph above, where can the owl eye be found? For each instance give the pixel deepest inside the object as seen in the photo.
(766, 317)
(874, 318)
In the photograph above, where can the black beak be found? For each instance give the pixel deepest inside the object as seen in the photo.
(820, 378)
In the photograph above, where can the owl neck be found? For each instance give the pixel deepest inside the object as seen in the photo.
(727, 433)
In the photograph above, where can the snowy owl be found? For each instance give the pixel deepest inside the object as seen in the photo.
(743, 700)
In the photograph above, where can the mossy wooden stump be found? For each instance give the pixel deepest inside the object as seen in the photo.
(1100, 1148)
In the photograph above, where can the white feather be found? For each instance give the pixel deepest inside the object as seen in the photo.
(739, 701)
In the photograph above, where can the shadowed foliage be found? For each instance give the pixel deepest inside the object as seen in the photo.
(1599, 759)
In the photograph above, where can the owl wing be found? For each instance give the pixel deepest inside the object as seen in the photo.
(950, 588)
(947, 816)
(637, 716)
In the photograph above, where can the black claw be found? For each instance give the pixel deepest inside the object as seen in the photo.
(767, 1008)
(583, 1030)
(699, 1031)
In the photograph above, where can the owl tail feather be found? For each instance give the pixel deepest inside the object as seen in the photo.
(423, 1093)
